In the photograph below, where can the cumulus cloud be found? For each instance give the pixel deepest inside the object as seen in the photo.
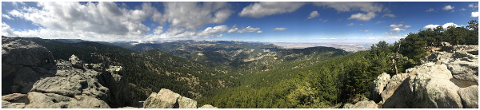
(108, 22)
(472, 5)
(195, 15)
(448, 7)
(6, 16)
(258, 10)
(368, 7)
(474, 14)
(213, 30)
(444, 26)
(247, 29)
(430, 10)
(362, 16)
(351, 24)
(407, 26)
(346, 6)
(99, 18)
(279, 29)
(158, 30)
(313, 14)
(388, 15)
(398, 27)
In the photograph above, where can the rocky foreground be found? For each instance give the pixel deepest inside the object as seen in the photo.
(31, 78)
(446, 79)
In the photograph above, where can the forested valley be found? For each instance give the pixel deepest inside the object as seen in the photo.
(251, 75)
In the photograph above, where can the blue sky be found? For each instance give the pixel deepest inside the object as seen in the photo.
(313, 22)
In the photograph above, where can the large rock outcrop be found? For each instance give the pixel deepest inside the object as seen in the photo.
(168, 99)
(39, 82)
(443, 80)
(23, 63)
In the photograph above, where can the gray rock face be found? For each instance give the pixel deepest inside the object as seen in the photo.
(208, 106)
(163, 99)
(23, 63)
(168, 99)
(365, 104)
(444, 80)
(469, 96)
(52, 100)
(184, 102)
(29, 69)
(378, 86)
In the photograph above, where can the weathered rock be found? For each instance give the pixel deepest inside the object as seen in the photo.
(365, 104)
(15, 100)
(393, 85)
(24, 62)
(163, 99)
(378, 86)
(207, 106)
(52, 100)
(445, 79)
(6, 104)
(434, 92)
(464, 70)
(469, 96)
(168, 99)
(347, 105)
(184, 102)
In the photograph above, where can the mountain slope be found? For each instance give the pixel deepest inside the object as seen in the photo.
(145, 71)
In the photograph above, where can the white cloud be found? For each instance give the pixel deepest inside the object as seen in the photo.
(361, 24)
(262, 9)
(279, 29)
(397, 27)
(6, 16)
(158, 30)
(195, 15)
(213, 30)
(430, 10)
(7, 31)
(444, 26)
(363, 30)
(351, 24)
(94, 18)
(313, 14)
(372, 34)
(388, 15)
(105, 21)
(407, 26)
(472, 5)
(346, 6)
(325, 20)
(448, 7)
(463, 9)
(378, 22)
(247, 29)
(430, 26)
(363, 17)
(369, 8)
(474, 14)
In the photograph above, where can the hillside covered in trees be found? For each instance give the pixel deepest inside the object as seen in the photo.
(244, 75)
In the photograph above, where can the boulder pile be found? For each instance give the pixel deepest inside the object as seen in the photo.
(445, 79)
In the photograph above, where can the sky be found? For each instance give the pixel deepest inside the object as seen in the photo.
(309, 22)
